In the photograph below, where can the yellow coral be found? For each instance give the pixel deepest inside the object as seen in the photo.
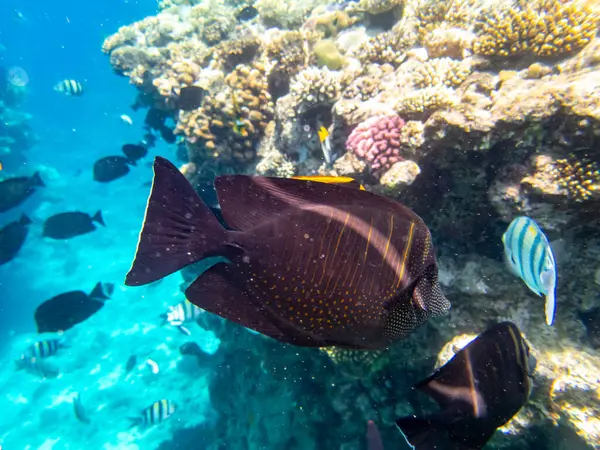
(547, 28)
(452, 42)
(434, 14)
(441, 71)
(580, 177)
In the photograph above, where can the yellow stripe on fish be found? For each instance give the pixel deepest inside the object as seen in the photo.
(349, 181)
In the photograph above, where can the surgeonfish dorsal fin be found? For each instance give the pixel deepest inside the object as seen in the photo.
(340, 181)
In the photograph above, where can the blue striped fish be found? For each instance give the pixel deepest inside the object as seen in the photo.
(530, 257)
(43, 349)
(69, 87)
(156, 413)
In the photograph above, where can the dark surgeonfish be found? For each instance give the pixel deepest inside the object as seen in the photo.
(134, 152)
(12, 238)
(479, 390)
(14, 191)
(70, 224)
(70, 308)
(190, 98)
(110, 168)
(312, 264)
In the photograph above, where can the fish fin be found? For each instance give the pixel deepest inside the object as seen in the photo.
(36, 180)
(216, 292)
(98, 293)
(24, 220)
(422, 433)
(340, 181)
(178, 229)
(248, 201)
(135, 421)
(550, 305)
(98, 218)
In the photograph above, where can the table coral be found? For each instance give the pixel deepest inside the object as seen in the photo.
(546, 28)
(377, 141)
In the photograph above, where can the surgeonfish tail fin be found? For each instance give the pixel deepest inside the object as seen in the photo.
(24, 220)
(178, 230)
(98, 292)
(98, 218)
(36, 180)
(550, 306)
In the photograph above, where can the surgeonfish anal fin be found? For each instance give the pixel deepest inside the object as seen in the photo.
(215, 292)
(178, 229)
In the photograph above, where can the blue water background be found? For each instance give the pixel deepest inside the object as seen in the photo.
(55, 41)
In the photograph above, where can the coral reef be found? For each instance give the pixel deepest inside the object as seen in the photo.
(469, 112)
(377, 141)
(545, 28)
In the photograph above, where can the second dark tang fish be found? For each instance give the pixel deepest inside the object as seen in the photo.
(12, 238)
(111, 168)
(134, 151)
(66, 310)
(312, 264)
(71, 224)
(14, 191)
(479, 390)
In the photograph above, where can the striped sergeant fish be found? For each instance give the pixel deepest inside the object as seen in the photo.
(69, 87)
(154, 414)
(530, 257)
(178, 315)
(43, 349)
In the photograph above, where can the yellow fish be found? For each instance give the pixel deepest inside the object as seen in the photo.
(325, 143)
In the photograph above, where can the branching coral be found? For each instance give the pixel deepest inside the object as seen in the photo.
(580, 177)
(314, 87)
(363, 88)
(379, 6)
(434, 14)
(285, 14)
(441, 71)
(388, 47)
(455, 43)
(232, 52)
(547, 28)
(231, 121)
(422, 103)
(377, 141)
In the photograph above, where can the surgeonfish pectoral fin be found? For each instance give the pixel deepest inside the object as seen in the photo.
(179, 228)
(422, 434)
(341, 181)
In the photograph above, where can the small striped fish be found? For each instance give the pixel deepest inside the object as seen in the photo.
(69, 87)
(182, 313)
(154, 414)
(43, 349)
(530, 257)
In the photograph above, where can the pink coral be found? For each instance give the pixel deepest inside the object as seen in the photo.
(377, 141)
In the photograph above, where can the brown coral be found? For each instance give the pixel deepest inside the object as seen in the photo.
(379, 6)
(547, 28)
(441, 71)
(434, 14)
(313, 88)
(579, 176)
(421, 103)
(230, 122)
(386, 48)
(232, 52)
